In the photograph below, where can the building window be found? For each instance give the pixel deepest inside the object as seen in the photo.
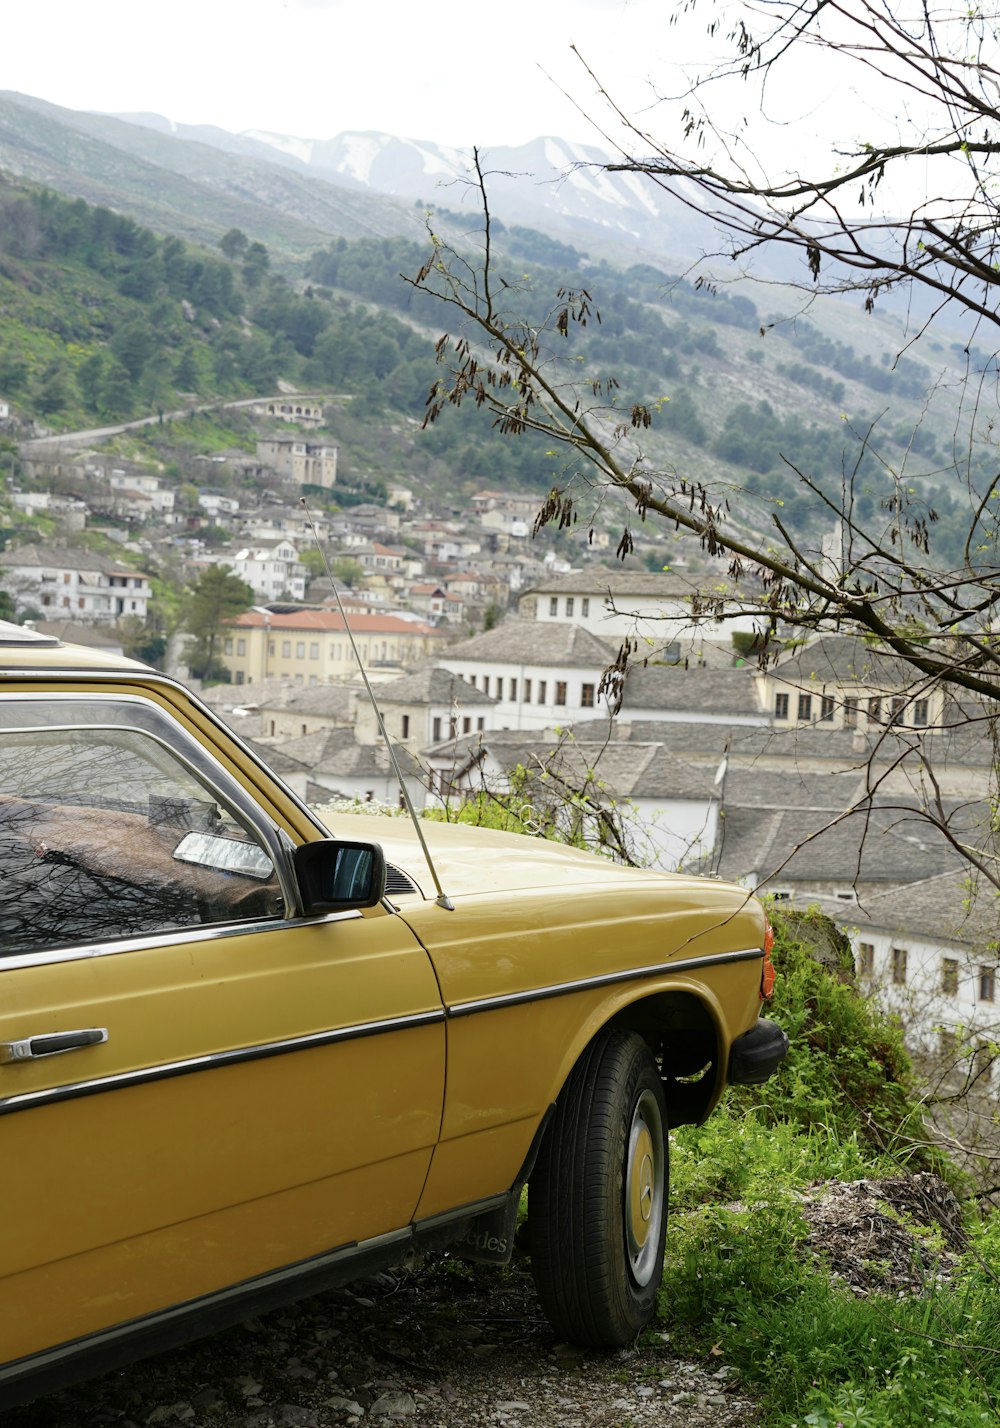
(560, 691)
(987, 984)
(866, 959)
(527, 691)
(241, 647)
(920, 711)
(899, 966)
(270, 647)
(947, 1044)
(826, 708)
(896, 711)
(466, 725)
(585, 607)
(512, 691)
(436, 730)
(300, 649)
(541, 691)
(480, 723)
(472, 680)
(586, 696)
(949, 976)
(570, 604)
(239, 676)
(314, 650)
(286, 649)
(405, 726)
(805, 707)
(850, 711)
(874, 710)
(227, 646)
(553, 606)
(781, 706)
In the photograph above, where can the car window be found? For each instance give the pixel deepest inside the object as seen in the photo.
(107, 832)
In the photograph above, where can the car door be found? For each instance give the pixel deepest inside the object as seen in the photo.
(197, 1085)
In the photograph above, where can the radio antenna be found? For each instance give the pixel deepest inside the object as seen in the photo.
(442, 899)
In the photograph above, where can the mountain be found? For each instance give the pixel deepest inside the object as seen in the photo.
(548, 183)
(293, 194)
(192, 188)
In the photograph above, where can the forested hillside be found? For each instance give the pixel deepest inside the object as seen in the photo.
(103, 320)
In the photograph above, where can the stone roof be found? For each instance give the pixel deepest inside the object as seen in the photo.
(432, 685)
(651, 584)
(530, 643)
(843, 659)
(66, 558)
(336, 752)
(332, 700)
(943, 907)
(730, 691)
(874, 845)
(624, 769)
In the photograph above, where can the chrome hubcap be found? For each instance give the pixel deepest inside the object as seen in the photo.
(644, 1190)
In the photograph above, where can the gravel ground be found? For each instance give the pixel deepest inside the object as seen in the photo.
(451, 1346)
(445, 1347)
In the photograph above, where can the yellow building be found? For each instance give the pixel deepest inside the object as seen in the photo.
(312, 646)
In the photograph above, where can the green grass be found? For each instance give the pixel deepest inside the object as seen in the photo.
(739, 1281)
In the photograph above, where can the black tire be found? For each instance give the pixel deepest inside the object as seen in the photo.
(597, 1199)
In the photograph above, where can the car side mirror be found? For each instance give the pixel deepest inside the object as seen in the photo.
(336, 876)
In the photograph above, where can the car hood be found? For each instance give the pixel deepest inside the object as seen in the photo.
(471, 860)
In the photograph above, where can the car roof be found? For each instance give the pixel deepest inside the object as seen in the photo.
(24, 649)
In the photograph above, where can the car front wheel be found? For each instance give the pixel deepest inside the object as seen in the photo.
(597, 1199)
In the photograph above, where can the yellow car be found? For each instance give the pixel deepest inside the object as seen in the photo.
(242, 1059)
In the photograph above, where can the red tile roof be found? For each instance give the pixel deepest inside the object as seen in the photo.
(331, 622)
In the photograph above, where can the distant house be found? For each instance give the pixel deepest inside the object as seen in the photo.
(425, 707)
(537, 678)
(311, 646)
(138, 495)
(673, 618)
(668, 807)
(301, 462)
(844, 683)
(271, 568)
(74, 584)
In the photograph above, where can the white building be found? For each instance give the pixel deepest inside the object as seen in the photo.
(670, 616)
(139, 496)
(74, 584)
(539, 679)
(304, 463)
(215, 504)
(667, 808)
(271, 569)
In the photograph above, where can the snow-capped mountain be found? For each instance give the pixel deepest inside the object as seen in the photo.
(549, 183)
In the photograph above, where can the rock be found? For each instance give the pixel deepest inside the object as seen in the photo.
(340, 1404)
(171, 1413)
(394, 1404)
(290, 1415)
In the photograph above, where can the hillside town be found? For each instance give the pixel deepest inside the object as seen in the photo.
(497, 666)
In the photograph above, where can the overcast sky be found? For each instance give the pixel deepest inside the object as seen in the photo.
(467, 74)
(459, 74)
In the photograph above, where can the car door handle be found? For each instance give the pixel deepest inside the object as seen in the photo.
(51, 1044)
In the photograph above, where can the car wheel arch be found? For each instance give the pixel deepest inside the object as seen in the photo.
(683, 1028)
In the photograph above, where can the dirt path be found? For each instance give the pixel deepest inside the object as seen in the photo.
(443, 1348)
